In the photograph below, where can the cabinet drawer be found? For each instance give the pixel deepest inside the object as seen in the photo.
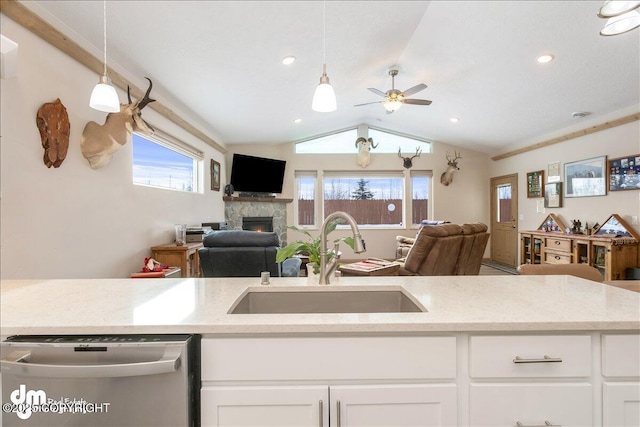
(531, 404)
(553, 257)
(524, 356)
(558, 244)
(621, 355)
(325, 358)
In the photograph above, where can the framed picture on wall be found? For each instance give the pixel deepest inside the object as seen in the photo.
(215, 175)
(535, 183)
(624, 173)
(585, 178)
(553, 195)
(554, 172)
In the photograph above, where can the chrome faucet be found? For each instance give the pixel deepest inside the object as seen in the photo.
(327, 269)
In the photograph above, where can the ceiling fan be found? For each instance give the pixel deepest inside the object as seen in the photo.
(395, 98)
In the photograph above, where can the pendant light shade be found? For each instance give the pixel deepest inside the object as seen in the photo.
(613, 8)
(324, 98)
(621, 24)
(104, 96)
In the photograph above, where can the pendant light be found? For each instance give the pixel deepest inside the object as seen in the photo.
(622, 17)
(104, 96)
(324, 98)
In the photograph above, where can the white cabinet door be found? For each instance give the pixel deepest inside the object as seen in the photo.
(265, 406)
(531, 404)
(393, 405)
(621, 404)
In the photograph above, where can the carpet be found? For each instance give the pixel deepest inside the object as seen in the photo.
(502, 267)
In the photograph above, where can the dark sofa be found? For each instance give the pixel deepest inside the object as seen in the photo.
(243, 253)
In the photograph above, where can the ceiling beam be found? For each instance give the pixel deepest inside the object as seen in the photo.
(32, 22)
(576, 134)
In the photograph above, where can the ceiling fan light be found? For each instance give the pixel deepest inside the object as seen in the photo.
(613, 8)
(621, 24)
(104, 97)
(392, 105)
(324, 98)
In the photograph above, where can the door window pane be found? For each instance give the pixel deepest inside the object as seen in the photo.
(503, 209)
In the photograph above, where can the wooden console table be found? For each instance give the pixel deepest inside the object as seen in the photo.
(184, 256)
(610, 255)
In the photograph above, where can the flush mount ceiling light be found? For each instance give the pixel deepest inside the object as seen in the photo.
(622, 17)
(543, 59)
(104, 96)
(324, 98)
(454, 120)
(287, 60)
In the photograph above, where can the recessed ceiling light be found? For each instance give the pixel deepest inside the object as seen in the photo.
(288, 60)
(454, 120)
(543, 59)
(297, 120)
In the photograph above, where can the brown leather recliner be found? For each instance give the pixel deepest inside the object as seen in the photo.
(472, 250)
(435, 251)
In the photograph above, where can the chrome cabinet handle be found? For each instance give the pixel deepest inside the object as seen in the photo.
(320, 420)
(557, 242)
(546, 424)
(545, 359)
(556, 257)
(337, 413)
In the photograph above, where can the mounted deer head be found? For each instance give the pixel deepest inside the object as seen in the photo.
(447, 177)
(407, 162)
(100, 142)
(364, 146)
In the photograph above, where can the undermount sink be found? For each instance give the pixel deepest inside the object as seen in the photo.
(325, 300)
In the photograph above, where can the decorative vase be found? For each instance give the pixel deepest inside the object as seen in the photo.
(312, 277)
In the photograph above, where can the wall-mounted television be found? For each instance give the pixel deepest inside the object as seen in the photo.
(257, 176)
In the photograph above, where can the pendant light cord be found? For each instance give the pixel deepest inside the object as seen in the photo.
(104, 34)
(324, 32)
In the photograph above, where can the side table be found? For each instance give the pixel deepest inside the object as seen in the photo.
(370, 267)
(183, 256)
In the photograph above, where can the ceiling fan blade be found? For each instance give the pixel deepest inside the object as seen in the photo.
(377, 92)
(367, 103)
(415, 89)
(417, 101)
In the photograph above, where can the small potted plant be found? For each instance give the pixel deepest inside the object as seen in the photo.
(312, 246)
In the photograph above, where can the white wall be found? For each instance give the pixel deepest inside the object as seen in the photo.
(465, 200)
(615, 142)
(75, 222)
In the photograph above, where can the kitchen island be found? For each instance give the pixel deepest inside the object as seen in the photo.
(489, 350)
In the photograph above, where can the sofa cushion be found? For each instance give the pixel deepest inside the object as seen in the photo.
(240, 238)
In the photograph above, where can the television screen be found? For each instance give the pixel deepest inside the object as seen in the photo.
(257, 174)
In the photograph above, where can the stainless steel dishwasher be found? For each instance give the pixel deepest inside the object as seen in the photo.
(106, 380)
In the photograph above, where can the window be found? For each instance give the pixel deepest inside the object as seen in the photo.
(344, 142)
(306, 196)
(371, 199)
(163, 162)
(420, 190)
(335, 143)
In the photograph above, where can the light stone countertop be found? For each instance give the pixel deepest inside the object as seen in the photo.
(454, 304)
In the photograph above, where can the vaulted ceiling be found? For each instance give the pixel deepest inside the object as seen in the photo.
(220, 62)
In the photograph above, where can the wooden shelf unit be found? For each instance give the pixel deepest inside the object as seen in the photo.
(184, 256)
(611, 255)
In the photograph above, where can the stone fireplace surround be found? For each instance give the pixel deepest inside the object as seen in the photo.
(238, 207)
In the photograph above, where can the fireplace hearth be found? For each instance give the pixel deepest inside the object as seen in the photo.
(257, 223)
